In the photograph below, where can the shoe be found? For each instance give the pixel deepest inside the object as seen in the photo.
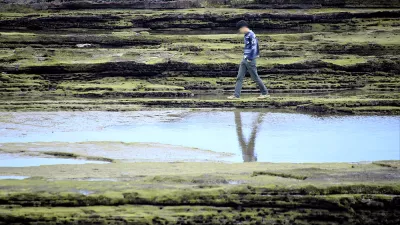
(233, 97)
(263, 96)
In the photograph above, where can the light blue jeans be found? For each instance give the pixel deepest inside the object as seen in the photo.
(251, 67)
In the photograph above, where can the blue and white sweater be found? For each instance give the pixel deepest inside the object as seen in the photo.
(251, 49)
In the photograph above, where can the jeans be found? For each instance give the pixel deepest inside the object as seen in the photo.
(251, 67)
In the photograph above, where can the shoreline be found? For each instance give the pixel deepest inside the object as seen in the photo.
(351, 105)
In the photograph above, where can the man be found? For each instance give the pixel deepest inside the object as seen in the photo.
(251, 52)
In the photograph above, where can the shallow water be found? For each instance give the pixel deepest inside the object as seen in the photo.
(13, 161)
(12, 177)
(251, 135)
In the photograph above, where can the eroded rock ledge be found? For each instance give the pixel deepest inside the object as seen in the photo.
(176, 4)
(311, 105)
(215, 194)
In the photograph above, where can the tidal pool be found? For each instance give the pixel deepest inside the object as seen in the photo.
(263, 136)
(13, 161)
(12, 177)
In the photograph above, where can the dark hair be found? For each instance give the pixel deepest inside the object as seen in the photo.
(241, 24)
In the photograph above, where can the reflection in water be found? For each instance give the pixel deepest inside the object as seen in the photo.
(248, 152)
(289, 137)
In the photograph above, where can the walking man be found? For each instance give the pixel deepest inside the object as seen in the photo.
(251, 52)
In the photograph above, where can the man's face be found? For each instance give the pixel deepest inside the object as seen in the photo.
(243, 30)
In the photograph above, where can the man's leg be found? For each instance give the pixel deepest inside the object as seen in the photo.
(240, 77)
(251, 66)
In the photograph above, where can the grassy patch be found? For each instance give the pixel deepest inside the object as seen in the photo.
(346, 61)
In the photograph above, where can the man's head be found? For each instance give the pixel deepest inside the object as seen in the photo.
(243, 26)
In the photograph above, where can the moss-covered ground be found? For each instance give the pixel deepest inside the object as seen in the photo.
(122, 59)
(150, 54)
(158, 65)
(382, 104)
(193, 193)
(123, 192)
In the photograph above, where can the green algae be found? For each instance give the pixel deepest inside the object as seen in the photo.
(360, 53)
(62, 154)
(196, 192)
(260, 173)
(333, 105)
(341, 65)
(168, 215)
(241, 204)
(346, 61)
(116, 84)
(35, 85)
(75, 156)
(224, 48)
(388, 163)
(139, 173)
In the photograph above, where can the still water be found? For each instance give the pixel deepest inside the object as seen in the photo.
(262, 136)
(12, 177)
(12, 161)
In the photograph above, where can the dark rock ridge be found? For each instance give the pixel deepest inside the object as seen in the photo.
(177, 4)
(257, 20)
(134, 69)
(322, 3)
(240, 206)
(194, 20)
(103, 4)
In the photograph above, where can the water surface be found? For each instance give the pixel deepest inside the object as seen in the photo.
(12, 177)
(251, 135)
(13, 161)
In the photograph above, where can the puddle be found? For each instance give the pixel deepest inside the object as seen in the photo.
(12, 161)
(262, 136)
(13, 177)
(85, 192)
(236, 182)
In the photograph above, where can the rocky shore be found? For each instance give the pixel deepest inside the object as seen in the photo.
(211, 193)
(325, 57)
(120, 53)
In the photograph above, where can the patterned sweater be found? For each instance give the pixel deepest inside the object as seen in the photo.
(251, 49)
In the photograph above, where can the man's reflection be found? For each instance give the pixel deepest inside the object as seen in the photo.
(248, 148)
